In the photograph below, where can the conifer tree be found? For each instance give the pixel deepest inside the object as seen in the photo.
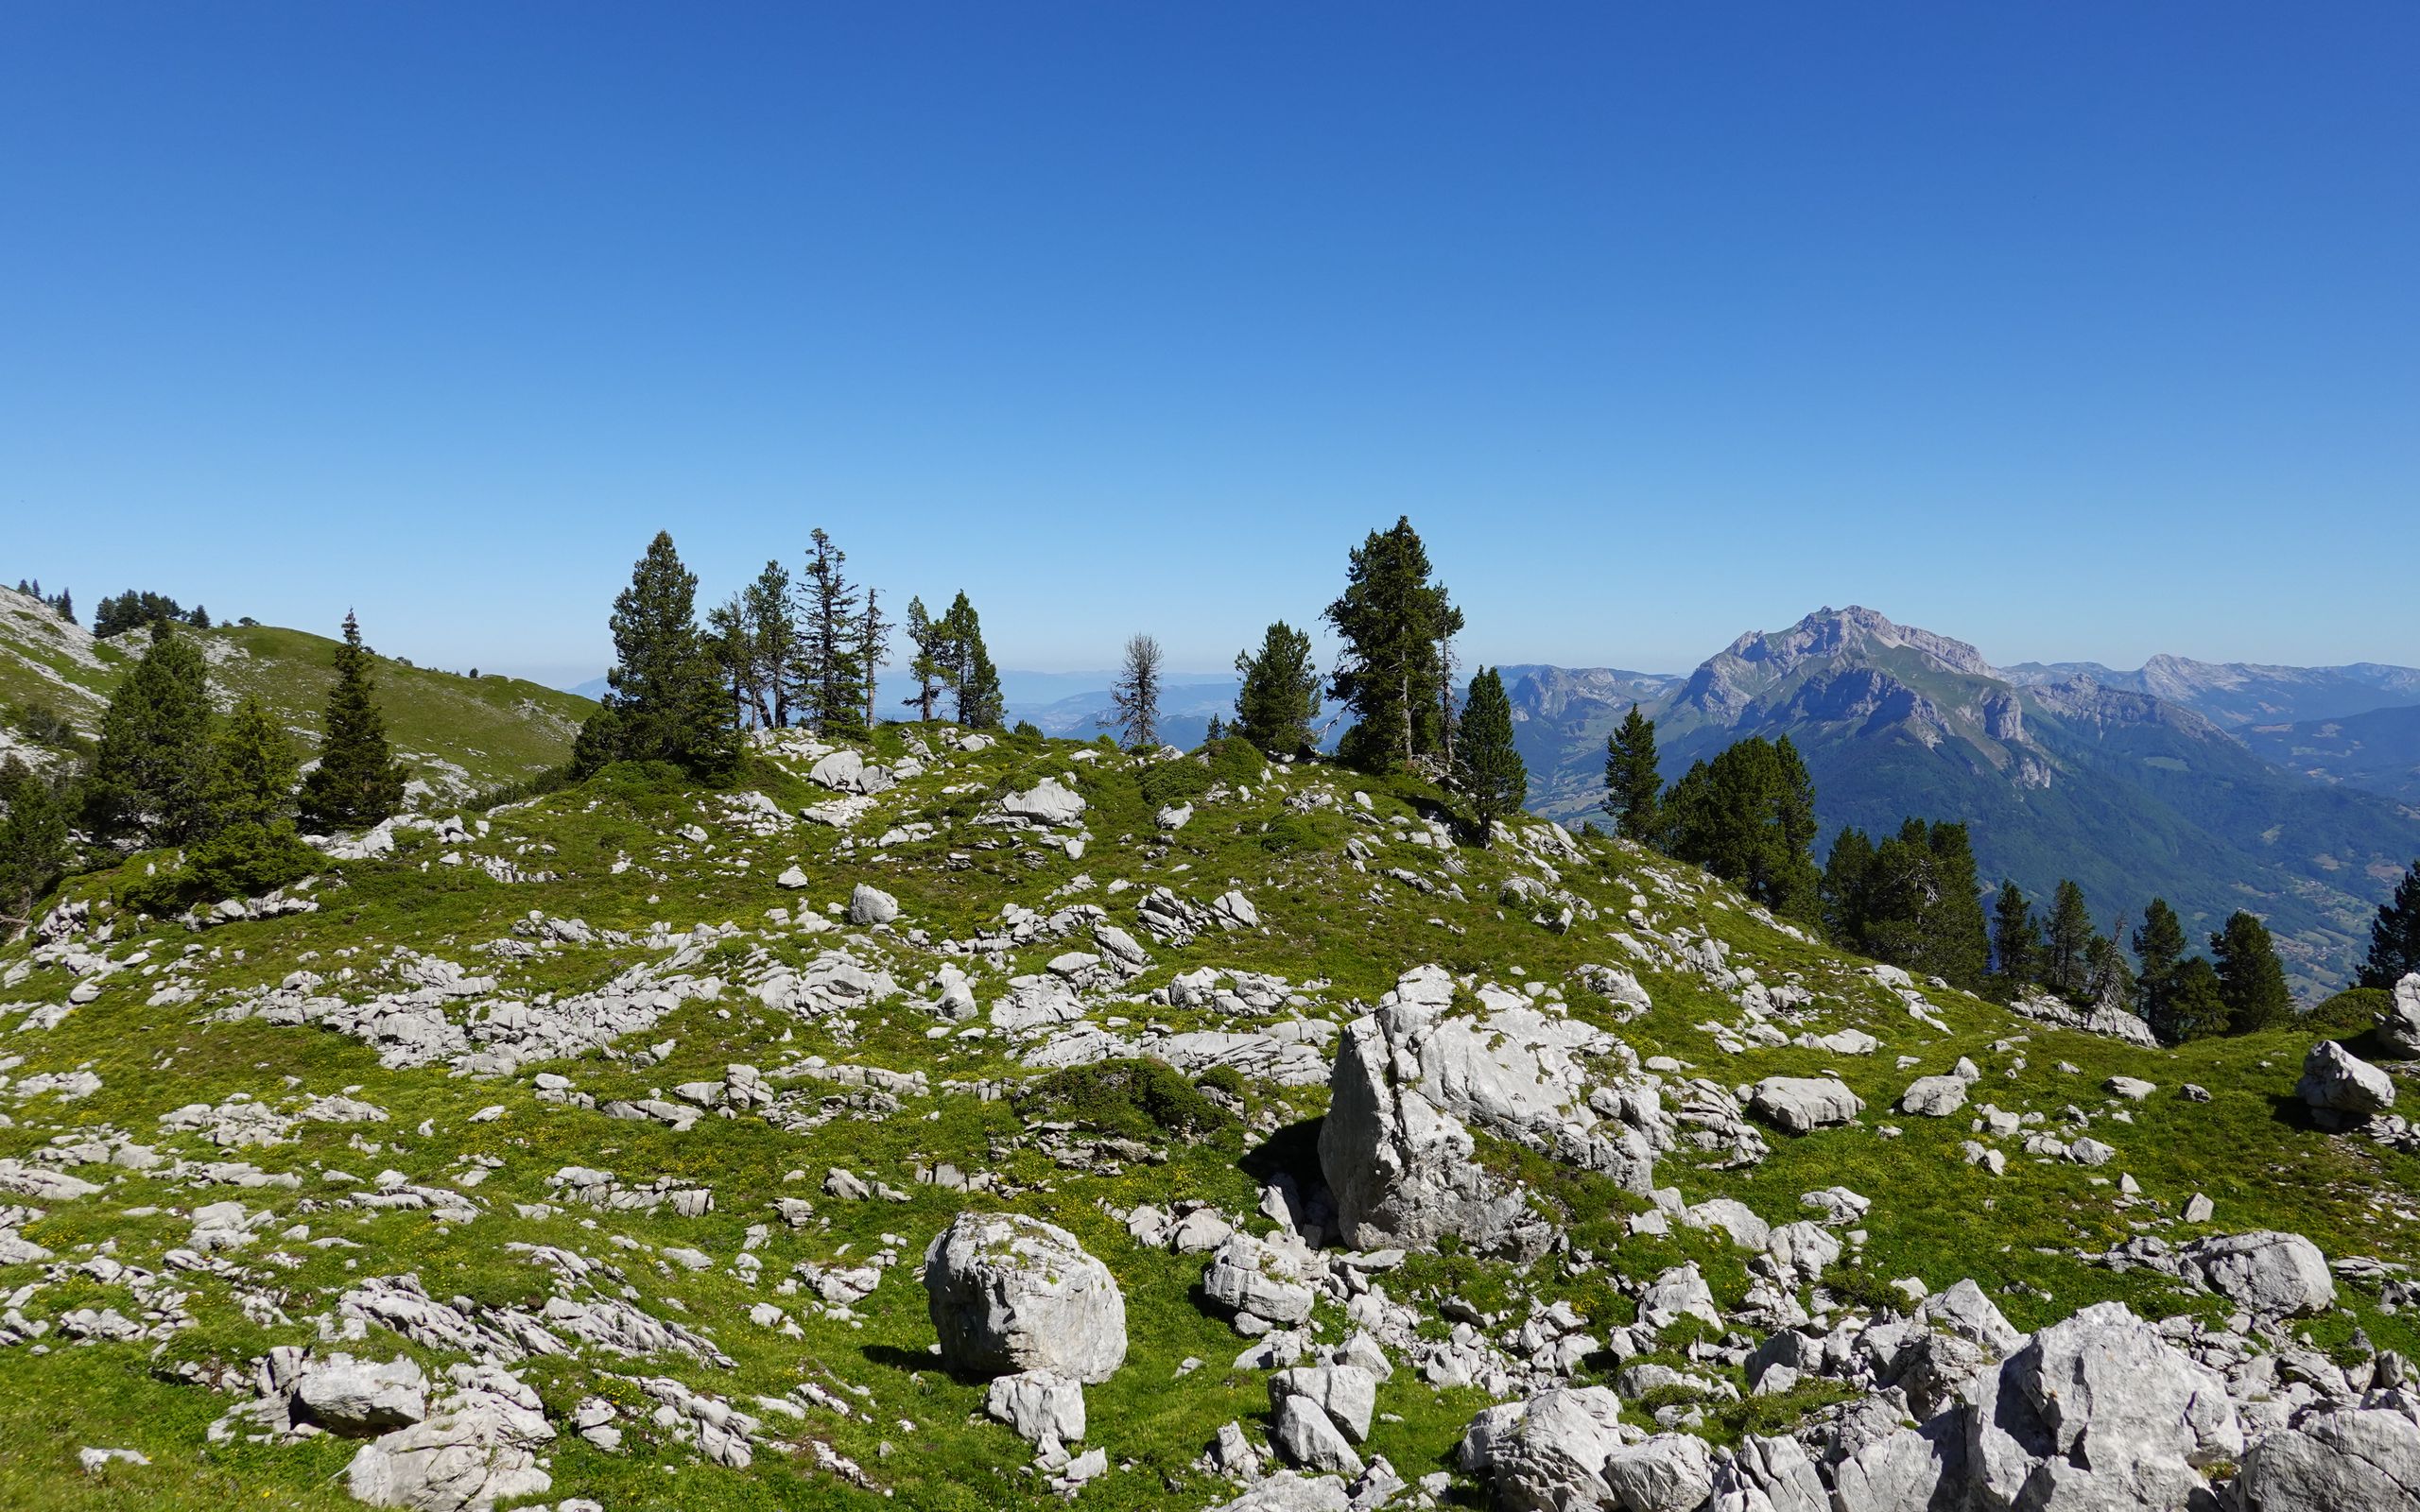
(151, 773)
(2069, 937)
(1390, 673)
(2017, 939)
(1633, 788)
(831, 680)
(254, 776)
(734, 652)
(1487, 770)
(1280, 695)
(978, 682)
(1748, 818)
(2191, 1003)
(33, 842)
(200, 618)
(2394, 935)
(1847, 888)
(2159, 949)
(1134, 697)
(773, 636)
(873, 647)
(359, 781)
(664, 700)
(932, 666)
(2251, 981)
(2109, 981)
(66, 607)
(1921, 908)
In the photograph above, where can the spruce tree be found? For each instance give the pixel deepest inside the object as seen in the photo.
(773, 636)
(2070, 936)
(1748, 818)
(66, 607)
(359, 781)
(1923, 904)
(1390, 673)
(734, 653)
(664, 700)
(256, 770)
(1487, 770)
(2159, 949)
(831, 679)
(2394, 935)
(1280, 695)
(932, 666)
(1847, 888)
(2109, 981)
(2191, 1003)
(151, 773)
(2252, 980)
(33, 842)
(1632, 786)
(1134, 697)
(873, 647)
(979, 706)
(2017, 939)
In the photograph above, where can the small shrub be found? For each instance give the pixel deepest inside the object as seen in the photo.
(1166, 785)
(1139, 1099)
(1222, 1078)
(240, 861)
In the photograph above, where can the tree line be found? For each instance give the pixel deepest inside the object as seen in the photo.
(168, 769)
(1915, 900)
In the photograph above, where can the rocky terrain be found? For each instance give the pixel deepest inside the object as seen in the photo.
(965, 1122)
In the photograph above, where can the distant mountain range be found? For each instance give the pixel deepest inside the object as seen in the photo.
(2173, 780)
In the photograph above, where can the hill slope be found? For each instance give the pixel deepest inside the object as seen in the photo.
(609, 1154)
(2129, 793)
(459, 736)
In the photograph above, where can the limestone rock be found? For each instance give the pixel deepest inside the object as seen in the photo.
(871, 905)
(2334, 1462)
(481, 1448)
(2266, 1273)
(1934, 1096)
(1042, 1407)
(1669, 1473)
(1010, 1293)
(1548, 1453)
(2399, 1031)
(1797, 1104)
(2335, 1082)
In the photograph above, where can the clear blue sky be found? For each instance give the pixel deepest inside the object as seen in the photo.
(2076, 331)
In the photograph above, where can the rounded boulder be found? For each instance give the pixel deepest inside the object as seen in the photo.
(1010, 1292)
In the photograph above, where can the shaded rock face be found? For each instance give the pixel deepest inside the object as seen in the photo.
(1410, 1082)
(2098, 1411)
(2334, 1462)
(1548, 1454)
(2266, 1273)
(1010, 1292)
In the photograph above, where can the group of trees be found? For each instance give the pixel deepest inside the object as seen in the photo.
(1913, 900)
(774, 655)
(167, 769)
(132, 610)
(62, 603)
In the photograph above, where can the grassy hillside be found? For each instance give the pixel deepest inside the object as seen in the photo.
(451, 1173)
(459, 735)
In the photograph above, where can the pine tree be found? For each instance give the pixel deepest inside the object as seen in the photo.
(1487, 770)
(151, 774)
(932, 666)
(1215, 733)
(200, 618)
(831, 681)
(1847, 888)
(665, 700)
(2192, 1005)
(1393, 621)
(2394, 935)
(2017, 939)
(2252, 980)
(979, 706)
(2070, 935)
(1922, 907)
(1633, 789)
(2109, 983)
(735, 651)
(359, 781)
(1134, 697)
(873, 647)
(33, 842)
(774, 635)
(66, 607)
(1748, 817)
(2159, 949)
(1280, 695)
(254, 776)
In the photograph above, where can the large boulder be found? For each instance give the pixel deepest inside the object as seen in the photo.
(2334, 1462)
(871, 905)
(1041, 1406)
(2341, 1088)
(1934, 1096)
(1548, 1453)
(1798, 1105)
(360, 1399)
(2098, 1411)
(479, 1447)
(1669, 1473)
(2266, 1273)
(1047, 802)
(1269, 1280)
(2399, 1027)
(1410, 1082)
(1908, 1469)
(1010, 1292)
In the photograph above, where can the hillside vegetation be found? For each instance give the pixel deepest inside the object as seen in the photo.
(458, 734)
(607, 1133)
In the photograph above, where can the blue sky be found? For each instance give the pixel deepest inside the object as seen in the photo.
(2074, 331)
